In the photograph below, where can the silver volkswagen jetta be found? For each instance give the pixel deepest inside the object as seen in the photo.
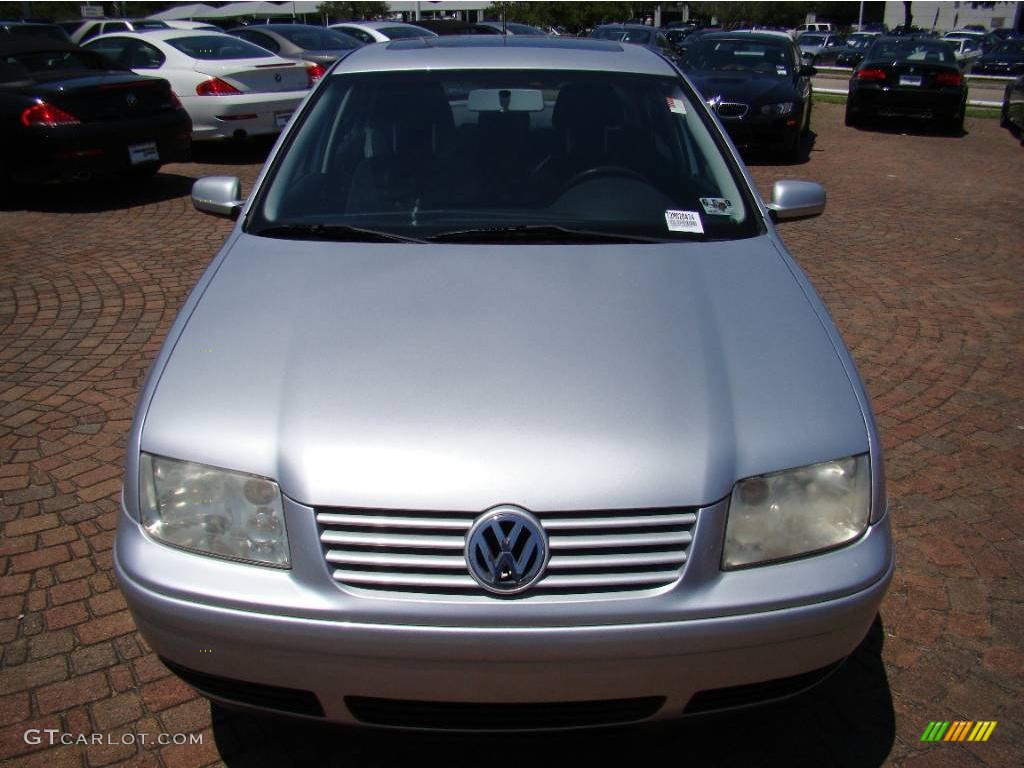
(503, 406)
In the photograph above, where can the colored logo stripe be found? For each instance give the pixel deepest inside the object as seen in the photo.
(958, 730)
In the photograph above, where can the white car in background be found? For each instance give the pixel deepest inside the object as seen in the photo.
(967, 49)
(229, 87)
(381, 31)
(186, 24)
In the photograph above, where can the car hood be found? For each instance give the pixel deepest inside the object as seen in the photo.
(744, 88)
(459, 377)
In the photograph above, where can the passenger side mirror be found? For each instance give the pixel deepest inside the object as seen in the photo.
(219, 195)
(793, 199)
(807, 70)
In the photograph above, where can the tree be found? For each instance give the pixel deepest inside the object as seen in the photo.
(353, 10)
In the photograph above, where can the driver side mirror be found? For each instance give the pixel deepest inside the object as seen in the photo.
(806, 70)
(793, 199)
(219, 195)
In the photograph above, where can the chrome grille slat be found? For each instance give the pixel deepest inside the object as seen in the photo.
(626, 540)
(569, 524)
(606, 580)
(394, 521)
(392, 540)
(562, 562)
(395, 561)
(421, 552)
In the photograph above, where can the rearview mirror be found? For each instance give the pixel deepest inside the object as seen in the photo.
(219, 195)
(793, 199)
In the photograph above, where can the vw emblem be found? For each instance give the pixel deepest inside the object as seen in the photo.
(277, 77)
(506, 550)
(132, 99)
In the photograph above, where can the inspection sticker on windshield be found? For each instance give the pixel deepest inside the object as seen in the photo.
(675, 105)
(684, 221)
(717, 206)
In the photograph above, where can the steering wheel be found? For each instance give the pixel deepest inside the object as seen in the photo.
(601, 171)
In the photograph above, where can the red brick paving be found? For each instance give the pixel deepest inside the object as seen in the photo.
(919, 257)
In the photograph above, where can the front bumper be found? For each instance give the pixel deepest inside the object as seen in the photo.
(252, 114)
(894, 101)
(90, 150)
(342, 649)
(756, 130)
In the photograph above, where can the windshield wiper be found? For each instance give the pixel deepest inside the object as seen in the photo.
(539, 232)
(337, 232)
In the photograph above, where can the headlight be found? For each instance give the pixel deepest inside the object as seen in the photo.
(213, 511)
(784, 108)
(797, 512)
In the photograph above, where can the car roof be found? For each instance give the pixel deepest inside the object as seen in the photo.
(376, 24)
(759, 35)
(163, 34)
(11, 45)
(506, 52)
(627, 26)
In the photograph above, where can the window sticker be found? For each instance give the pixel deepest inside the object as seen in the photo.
(684, 221)
(716, 206)
(780, 70)
(675, 105)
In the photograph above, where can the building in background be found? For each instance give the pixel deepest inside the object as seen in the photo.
(946, 16)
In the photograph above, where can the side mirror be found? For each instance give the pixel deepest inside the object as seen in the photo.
(220, 195)
(808, 71)
(796, 200)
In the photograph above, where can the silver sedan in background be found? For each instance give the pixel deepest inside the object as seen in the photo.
(561, 439)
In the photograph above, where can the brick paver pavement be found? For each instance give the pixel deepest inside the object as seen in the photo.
(919, 256)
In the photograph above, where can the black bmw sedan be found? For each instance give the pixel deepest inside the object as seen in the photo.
(757, 85)
(1006, 60)
(69, 114)
(908, 77)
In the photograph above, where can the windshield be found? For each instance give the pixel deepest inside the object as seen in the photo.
(218, 47)
(636, 36)
(811, 40)
(912, 50)
(17, 66)
(316, 39)
(421, 154)
(764, 57)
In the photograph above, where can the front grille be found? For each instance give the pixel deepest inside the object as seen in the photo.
(423, 552)
(293, 700)
(731, 111)
(501, 717)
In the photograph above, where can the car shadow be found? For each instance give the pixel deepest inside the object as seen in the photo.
(769, 156)
(233, 152)
(99, 196)
(848, 720)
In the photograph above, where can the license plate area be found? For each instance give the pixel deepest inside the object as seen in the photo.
(143, 153)
(281, 119)
(913, 81)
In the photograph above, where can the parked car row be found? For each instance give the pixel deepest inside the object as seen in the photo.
(68, 113)
(248, 81)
